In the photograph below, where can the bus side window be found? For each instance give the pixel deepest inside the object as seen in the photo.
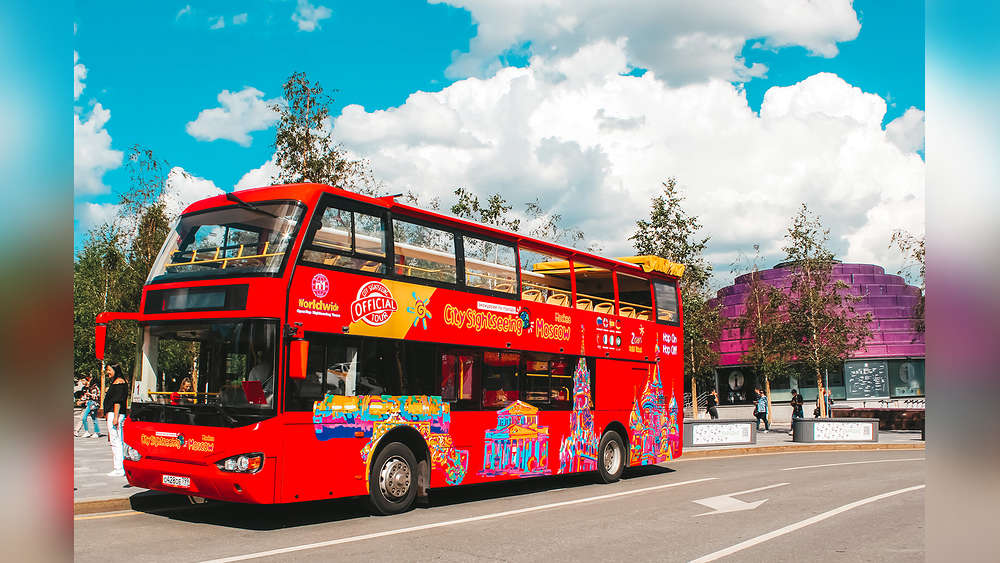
(347, 239)
(666, 302)
(332, 368)
(545, 278)
(500, 371)
(634, 298)
(535, 387)
(457, 379)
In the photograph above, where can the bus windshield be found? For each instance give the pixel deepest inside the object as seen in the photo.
(224, 371)
(237, 240)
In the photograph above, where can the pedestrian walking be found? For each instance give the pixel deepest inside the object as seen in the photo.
(91, 396)
(797, 404)
(828, 398)
(760, 411)
(713, 401)
(114, 407)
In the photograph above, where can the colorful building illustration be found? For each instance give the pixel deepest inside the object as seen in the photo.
(517, 446)
(653, 424)
(337, 416)
(578, 451)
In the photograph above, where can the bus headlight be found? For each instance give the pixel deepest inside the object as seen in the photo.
(131, 453)
(243, 463)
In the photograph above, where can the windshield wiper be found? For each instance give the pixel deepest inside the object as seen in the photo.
(222, 411)
(247, 205)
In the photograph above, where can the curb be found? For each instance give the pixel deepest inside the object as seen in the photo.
(156, 500)
(764, 450)
(144, 501)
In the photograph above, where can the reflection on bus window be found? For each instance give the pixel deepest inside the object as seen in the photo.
(666, 302)
(545, 278)
(489, 265)
(424, 252)
(332, 368)
(459, 375)
(348, 239)
(500, 379)
(634, 298)
(595, 290)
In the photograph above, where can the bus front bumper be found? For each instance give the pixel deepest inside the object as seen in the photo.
(203, 480)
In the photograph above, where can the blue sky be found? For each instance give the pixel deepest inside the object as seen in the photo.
(155, 67)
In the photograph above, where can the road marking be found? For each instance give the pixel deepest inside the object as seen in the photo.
(801, 524)
(854, 463)
(726, 503)
(374, 535)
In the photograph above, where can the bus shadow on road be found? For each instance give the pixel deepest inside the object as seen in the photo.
(282, 516)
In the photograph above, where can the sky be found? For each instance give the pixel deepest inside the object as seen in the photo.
(754, 106)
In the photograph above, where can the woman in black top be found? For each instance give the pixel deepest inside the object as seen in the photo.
(114, 408)
(713, 400)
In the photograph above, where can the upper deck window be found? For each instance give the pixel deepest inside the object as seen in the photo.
(666, 302)
(424, 252)
(347, 238)
(489, 265)
(228, 241)
(634, 298)
(595, 290)
(545, 278)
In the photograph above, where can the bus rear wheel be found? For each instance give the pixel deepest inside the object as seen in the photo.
(611, 457)
(392, 482)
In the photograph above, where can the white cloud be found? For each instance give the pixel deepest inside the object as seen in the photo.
(90, 215)
(92, 152)
(265, 175)
(79, 74)
(220, 22)
(907, 130)
(681, 41)
(182, 189)
(185, 10)
(309, 16)
(240, 19)
(240, 113)
(595, 147)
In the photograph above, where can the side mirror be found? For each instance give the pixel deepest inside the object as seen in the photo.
(100, 336)
(298, 354)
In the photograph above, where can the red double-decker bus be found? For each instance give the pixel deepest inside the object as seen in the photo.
(303, 342)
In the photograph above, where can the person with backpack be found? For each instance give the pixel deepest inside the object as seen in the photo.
(760, 411)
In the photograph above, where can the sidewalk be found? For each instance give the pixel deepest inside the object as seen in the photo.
(94, 491)
(91, 463)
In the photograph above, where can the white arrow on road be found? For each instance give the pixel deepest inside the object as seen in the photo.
(726, 503)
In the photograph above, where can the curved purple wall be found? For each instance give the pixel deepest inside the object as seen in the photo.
(887, 297)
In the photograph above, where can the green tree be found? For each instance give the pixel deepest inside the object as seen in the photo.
(305, 150)
(823, 325)
(765, 321)
(496, 212)
(673, 234)
(915, 253)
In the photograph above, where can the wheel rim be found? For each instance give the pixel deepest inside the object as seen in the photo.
(394, 478)
(612, 457)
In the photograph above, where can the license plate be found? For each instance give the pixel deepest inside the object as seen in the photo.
(175, 481)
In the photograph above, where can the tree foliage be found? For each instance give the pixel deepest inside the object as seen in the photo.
(305, 150)
(822, 323)
(765, 321)
(673, 234)
(913, 249)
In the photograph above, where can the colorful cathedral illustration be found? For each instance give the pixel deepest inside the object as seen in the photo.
(578, 451)
(653, 424)
(517, 446)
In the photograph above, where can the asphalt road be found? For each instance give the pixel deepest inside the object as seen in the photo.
(867, 507)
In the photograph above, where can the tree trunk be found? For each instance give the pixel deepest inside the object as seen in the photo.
(767, 393)
(694, 399)
(819, 395)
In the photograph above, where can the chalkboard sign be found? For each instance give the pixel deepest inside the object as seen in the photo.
(867, 380)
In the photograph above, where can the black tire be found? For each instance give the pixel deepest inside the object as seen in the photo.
(611, 457)
(392, 481)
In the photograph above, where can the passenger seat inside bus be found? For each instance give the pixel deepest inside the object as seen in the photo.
(627, 312)
(560, 299)
(605, 308)
(584, 304)
(531, 295)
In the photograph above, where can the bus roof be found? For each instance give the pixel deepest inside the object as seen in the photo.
(308, 192)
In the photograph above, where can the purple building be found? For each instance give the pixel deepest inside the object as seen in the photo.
(890, 366)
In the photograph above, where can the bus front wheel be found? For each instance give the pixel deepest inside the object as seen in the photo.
(611, 457)
(392, 483)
